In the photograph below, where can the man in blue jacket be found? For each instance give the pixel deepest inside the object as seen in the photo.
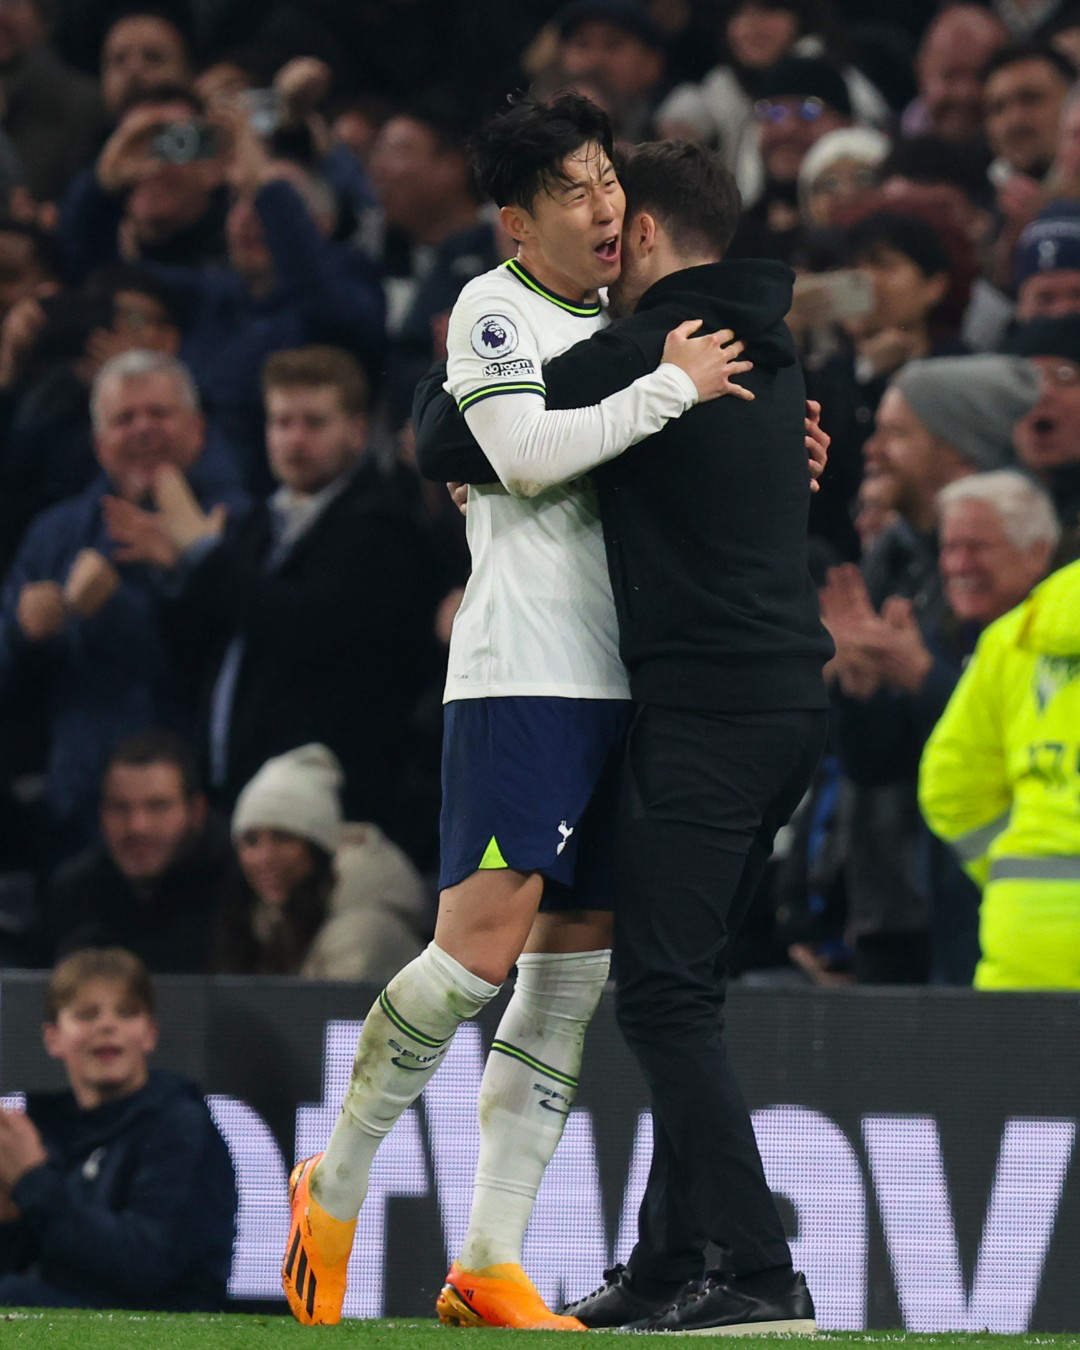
(79, 633)
(120, 1192)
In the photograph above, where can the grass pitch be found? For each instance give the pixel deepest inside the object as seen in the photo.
(47, 1329)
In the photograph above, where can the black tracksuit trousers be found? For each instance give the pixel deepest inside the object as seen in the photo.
(701, 798)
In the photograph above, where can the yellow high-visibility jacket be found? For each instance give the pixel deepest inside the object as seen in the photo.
(1000, 782)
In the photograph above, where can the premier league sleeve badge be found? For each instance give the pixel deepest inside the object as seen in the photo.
(493, 336)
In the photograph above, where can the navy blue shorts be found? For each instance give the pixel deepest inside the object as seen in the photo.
(529, 784)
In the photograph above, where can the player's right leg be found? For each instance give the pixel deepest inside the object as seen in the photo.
(483, 923)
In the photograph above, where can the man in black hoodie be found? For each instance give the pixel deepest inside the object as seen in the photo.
(706, 535)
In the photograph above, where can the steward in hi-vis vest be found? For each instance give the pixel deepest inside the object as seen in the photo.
(1000, 782)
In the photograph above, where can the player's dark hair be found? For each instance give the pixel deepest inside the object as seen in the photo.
(159, 747)
(1016, 52)
(688, 188)
(519, 153)
(98, 963)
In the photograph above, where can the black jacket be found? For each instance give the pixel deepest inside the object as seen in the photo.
(88, 902)
(136, 1207)
(335, 639)
(705, 522)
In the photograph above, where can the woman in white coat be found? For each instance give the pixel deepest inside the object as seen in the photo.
(315, 896)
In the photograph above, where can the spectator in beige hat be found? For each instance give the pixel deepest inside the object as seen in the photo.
(315, 896)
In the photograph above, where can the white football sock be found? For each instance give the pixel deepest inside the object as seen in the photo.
(403, 1041)
(529, 1084)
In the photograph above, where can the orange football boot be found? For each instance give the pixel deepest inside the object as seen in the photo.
(497, 1296)
(317, 1257)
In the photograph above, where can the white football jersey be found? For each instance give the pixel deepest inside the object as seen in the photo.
(538, 616)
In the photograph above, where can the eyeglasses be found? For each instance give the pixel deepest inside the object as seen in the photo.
(808, 110)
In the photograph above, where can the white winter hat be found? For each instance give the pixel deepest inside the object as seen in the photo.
(864, 144)
(297, 792)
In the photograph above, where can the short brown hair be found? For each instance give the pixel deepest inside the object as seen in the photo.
(158, 746)
(317, 367)
(688, 188)
(98, 963)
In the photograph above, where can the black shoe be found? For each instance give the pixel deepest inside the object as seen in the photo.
(719, 1308)
(615, 1304)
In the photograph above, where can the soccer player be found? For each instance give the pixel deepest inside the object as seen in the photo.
(537, 700)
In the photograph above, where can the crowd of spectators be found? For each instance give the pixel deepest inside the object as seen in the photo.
(230, 237)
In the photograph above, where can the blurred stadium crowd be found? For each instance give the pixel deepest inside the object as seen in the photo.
(231, 235)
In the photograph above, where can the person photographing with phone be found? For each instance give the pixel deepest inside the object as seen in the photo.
(275, 280)
(156, 192)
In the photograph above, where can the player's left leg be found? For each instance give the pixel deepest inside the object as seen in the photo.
(530, 1079)
(529, 1085)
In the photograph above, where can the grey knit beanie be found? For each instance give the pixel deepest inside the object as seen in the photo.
(971, 402)
(297, 792)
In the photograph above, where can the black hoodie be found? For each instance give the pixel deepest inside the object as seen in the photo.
(705, 522)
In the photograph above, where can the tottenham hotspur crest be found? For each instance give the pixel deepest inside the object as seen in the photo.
(493, 335)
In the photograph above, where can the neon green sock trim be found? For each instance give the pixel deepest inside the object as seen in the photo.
(505, 1048)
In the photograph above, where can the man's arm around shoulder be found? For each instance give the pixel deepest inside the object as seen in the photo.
(588, 372)
(604, 363)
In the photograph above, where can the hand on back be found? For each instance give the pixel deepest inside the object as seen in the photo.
(711, 361)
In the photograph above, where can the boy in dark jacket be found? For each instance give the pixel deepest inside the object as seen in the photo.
(99, 1206)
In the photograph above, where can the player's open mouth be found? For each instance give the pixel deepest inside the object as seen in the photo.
(609, 249)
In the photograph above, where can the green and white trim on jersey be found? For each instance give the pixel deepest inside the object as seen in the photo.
(507, 641)
(489, 391)
(526, 278)
(579, 311)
